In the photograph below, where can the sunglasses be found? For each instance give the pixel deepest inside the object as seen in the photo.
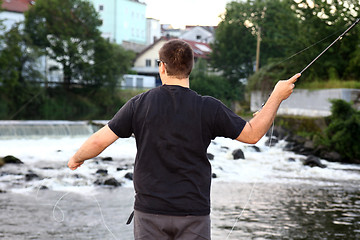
(160, 61)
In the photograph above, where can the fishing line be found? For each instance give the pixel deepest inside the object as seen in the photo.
(56, 206)
(239, 217)
(272, 128)
(301, 51)
(252, 190)
(338, 38)
(63, 215)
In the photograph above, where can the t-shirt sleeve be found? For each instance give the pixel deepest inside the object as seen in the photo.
(121, 123)
(227, 123)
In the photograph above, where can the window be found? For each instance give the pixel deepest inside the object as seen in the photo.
(198, 37)
(139, 82)
(128, 82)
(101, 7)
(148, 62)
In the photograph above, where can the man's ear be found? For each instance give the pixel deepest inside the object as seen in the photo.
(162, 69)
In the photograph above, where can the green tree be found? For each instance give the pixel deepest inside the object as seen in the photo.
(322, 23)
(67, 31)
(234, 50)
(206, 83)
(111, 61)
(19, 70)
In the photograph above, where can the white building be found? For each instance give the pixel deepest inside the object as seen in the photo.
(13, 12)
(198, 34)
(153, 30)
(138, 81)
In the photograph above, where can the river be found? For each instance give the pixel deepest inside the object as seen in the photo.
(268, 195)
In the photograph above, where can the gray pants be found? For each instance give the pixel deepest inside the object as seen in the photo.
(162, 227)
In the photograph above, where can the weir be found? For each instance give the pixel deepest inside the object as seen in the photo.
(38, 129)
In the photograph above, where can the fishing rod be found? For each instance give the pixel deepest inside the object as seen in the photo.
(339, 38)
(272, 128)
(316, 58)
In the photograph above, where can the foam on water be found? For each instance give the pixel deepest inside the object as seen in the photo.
(47, 157)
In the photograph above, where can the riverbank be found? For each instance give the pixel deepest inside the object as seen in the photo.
(306, 135)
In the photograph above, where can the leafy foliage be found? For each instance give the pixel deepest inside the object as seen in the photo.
(234, 46)
(206, 83)
(110, 62)
(322, 23)
(293, 33)
(19, 71)
(67, 31)
(343, 131)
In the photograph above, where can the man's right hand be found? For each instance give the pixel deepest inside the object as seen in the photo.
(284, 88)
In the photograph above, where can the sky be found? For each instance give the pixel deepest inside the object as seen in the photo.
(179, 13)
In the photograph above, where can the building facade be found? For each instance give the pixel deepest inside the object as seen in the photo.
(146, 61)
(122, 20)
(153, 30)
(13, 12)
(199, 34)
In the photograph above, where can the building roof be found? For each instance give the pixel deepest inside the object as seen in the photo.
(18, 6)
(210, 29)
(201, 50)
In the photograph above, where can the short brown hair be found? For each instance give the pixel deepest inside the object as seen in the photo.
(178, 57)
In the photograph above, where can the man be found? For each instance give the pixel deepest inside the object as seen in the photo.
(173, 127)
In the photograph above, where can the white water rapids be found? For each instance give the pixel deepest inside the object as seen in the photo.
(280, 185)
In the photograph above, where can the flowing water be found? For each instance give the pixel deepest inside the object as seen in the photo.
(268, 195)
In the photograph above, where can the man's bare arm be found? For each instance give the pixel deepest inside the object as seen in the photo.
(93, 146)
(256, 128)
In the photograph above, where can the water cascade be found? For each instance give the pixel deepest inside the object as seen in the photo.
(37, 129)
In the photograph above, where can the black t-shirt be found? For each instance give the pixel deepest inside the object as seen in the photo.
(173, 127)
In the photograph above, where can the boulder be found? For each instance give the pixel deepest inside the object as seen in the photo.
(107, 159)
(278, 132)
(309, 145)
(257, 149)
(331, 156)
(102, 172)
(129, 176)
(112, 182)
(30, 176)
(12, 160)
(210, 156)
(271, 142)
(98, 182)
(238, 154)
(290, 159)
(121, 168)
(214, 175)
(313, 161)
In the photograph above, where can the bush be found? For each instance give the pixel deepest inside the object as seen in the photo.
(343, 131)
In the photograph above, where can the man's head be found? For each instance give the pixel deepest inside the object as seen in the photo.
(178, 58)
